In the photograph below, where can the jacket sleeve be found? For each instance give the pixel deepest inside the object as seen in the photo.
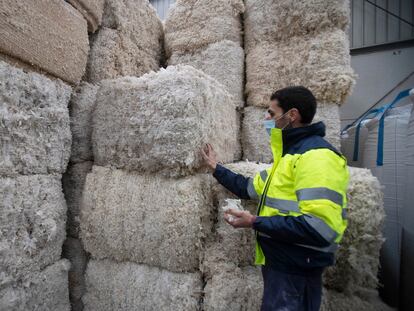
(321, 179)
(289, 229)
(235, 183)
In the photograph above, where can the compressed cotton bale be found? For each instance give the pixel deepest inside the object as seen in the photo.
(193, 24)
(127, 286)
(159, 122)
(34, 123)
(46, 290)
(320, 63)
(357, 259)
(32, 227)
(234, 289)
(146, 218)
(73, 250)
(30, 34)
(329, 115)
(81, 107)
(115, 54)
(227, 245)
(130, 42)
(73, 182)
(140, 20)
(91, 10)
(272, 21)
(255, 140)
(335, 301)
(224, 61)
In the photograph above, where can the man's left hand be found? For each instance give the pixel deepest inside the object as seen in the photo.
(239, 219)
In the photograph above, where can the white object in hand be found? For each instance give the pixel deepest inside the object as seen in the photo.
(232, 204)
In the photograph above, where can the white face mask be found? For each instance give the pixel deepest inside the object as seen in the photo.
(269, 124)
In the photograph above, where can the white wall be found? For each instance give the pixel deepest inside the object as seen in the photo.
(378, 73)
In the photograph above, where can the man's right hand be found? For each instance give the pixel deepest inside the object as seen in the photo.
(209, 156)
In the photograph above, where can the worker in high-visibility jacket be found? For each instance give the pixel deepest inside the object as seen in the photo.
(301, 214)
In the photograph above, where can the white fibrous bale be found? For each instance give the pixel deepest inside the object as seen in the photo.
(272, 21)
(223, 61)
(74, 252)
(32, 225)
(234, 289)
(81, 106)
(34, 123)
(255, 140)
(127, 286)
(129, 42)
(73, 182)
(320, 63)
(91, 10)
(227, 245)
(159, 122)
(357, 260)
(329, 115)
(193, 24)
(31, 39)
(46, 290)
(336, 301)
(146, 218)
(115, 54)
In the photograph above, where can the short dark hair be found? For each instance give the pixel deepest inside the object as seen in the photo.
(298, 97)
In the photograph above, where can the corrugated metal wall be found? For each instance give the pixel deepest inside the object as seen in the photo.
(372, 26)
(162, 7)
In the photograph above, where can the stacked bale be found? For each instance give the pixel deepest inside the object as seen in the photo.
(146, 207)
(128, 43)
(30, 38)
(207, 36)
(228, 257)
(35, 144)
(295, 43)
(91, 10)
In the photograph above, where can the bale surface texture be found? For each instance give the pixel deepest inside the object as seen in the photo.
(158, 123)
(81, 107)
(91, 10)
(193, 24)
(357, 259)
(32, 225)
(320, 63)
(234, 289)
(129, 43)
(34, 123)
(50, 36)
(272, 21)
(73, 182)
(223, 61)
(127, 286)
(146, 218)
(46, 290)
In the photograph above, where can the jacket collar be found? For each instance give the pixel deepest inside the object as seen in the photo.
(282, 140)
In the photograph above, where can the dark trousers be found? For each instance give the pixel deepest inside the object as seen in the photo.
(290, 292)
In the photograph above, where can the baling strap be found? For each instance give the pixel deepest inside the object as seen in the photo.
(319, 193)
(321, 227)
(282, 205)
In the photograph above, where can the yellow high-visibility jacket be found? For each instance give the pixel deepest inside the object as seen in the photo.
(302, 199)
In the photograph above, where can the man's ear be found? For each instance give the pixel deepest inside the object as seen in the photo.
(295, 115)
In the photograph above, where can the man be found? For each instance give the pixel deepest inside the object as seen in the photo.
(302, 199)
